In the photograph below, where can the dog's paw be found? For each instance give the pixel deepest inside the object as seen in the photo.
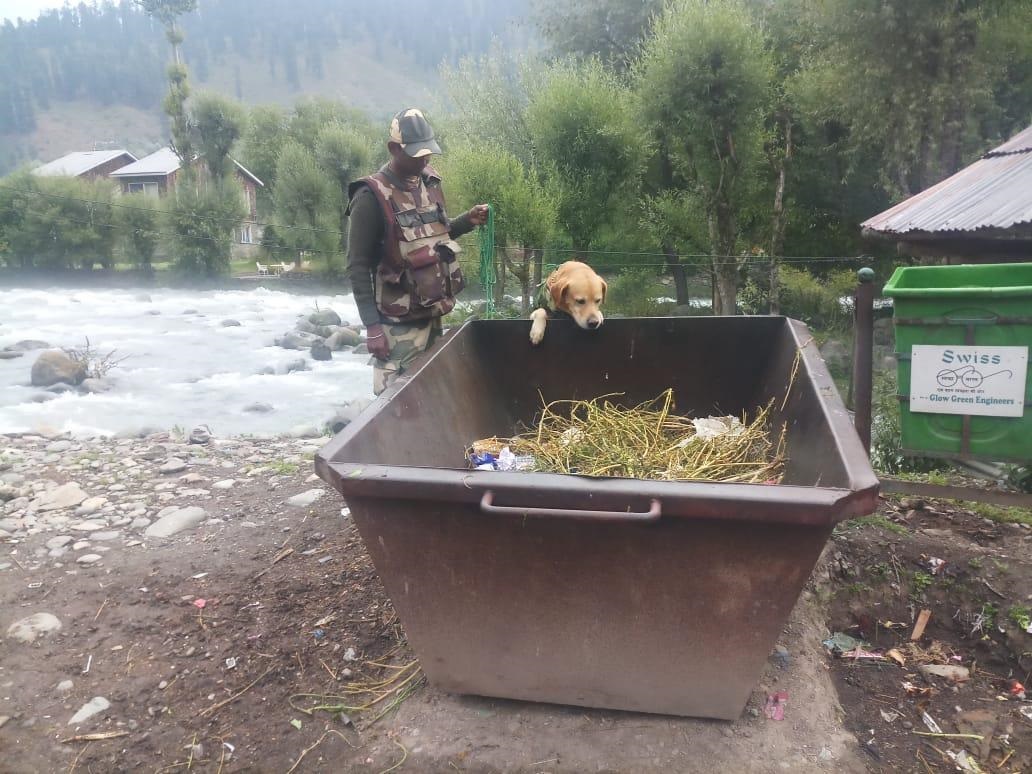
(537, 329)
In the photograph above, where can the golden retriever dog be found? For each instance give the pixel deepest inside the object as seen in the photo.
(573, 289)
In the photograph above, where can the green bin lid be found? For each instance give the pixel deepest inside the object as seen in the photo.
(995, 280)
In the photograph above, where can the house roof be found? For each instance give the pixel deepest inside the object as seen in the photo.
(163, 161)
(80, 162)
(993, 193)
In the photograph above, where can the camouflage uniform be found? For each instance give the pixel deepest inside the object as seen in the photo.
(405, 276)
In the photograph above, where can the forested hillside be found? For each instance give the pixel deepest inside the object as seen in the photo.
(88, 74)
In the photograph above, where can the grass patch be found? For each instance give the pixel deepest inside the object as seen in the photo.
(1000, 513)
(1020, 615)
(921, 581)
(875, 521)
(283, 468)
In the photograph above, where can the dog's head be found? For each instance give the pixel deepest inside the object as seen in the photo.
(577, 290)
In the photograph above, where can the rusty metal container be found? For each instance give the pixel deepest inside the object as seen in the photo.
(620, 593)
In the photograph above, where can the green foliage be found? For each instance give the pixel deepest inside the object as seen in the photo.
(305, 204)
(817, 301)
(1021, 616)
(138, 221)
(202, 221)
(886, 436)
(920, 582)
(217, 125)
(876, 521)
(631, 294)
(262, 141)
(583, 129)
(344, 154)
(610, 29)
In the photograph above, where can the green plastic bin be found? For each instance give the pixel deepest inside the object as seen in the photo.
(980, 305)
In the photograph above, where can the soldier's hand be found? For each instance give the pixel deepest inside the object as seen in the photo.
(478, 215)
(376, 342)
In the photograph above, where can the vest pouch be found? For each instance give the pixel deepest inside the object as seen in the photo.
(449, 252)
(428, 273)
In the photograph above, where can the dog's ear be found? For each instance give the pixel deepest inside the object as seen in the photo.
(605, 287)
(557, 287)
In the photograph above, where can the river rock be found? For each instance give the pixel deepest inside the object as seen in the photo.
(65, 496)
(305, 499)
(346, 415)
(344, 337)
(258, 408)
(174, 465)
(54, 366)
(324, 317)
(176, 520)
(321, 352)
(226, 483)
(200, 434)
(296, 340)
(94, 706)
(9, 355)
(230, 323)
(27, 345)
(88, 559)
(59, 541)
(90, 505)
(96, 386)
(296, 365)
(35, 626)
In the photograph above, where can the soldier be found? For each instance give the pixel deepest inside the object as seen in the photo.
(402, 257)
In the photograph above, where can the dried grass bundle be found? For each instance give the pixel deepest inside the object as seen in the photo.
(599, 438)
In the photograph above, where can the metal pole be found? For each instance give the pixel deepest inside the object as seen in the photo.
(863, 366)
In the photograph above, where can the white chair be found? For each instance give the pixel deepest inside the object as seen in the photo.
(263, 271)
(285, 267)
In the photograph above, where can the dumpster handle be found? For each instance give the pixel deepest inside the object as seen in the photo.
(652, 514)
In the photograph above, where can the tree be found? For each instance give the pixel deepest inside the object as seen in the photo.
(201, 221)
(217, 125)
(344, 154)
(582, 126)
(610, 29)
(262, 142)
(304, 204)
(703, 82)
(137, 219)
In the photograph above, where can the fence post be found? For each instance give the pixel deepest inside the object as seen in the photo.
(863, 365)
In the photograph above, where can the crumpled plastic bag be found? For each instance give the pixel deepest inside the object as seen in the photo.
(509, 461)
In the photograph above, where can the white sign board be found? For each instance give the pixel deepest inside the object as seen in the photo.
(984, 381)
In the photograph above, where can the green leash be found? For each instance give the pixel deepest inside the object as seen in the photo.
(487, 265)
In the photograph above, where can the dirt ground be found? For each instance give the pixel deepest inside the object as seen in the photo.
(294, 618)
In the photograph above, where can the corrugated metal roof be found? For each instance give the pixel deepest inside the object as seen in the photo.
(163, 161)
(994, 192)
(74, 164)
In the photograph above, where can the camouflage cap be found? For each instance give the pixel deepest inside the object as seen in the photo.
(413, 133)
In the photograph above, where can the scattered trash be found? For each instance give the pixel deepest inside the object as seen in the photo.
(914, 690)
(231, 663)
(200, 603)
(782, 657)
(349, 654)
(858, 653)
(325, 559)
(896, 656)
(840, 643)
(956, 674)
(935, 564)
(1026, 711)
(199, 575)
(319, 634)
(1016, 689)
(89, 663)
(326, 619)
(965, 762)
(889, 716)
(296, 724)
(919, 627)
(503, 460)
(774, 708)
(930, 723)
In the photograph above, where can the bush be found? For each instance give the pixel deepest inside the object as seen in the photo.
(631, 294)
(886, 433)
(814, 300)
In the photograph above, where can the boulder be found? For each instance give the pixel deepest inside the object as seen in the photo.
(305, 326)
(94, 386)
(321, 352)
(27, 345)
(200, 434)
(230, 323)
(9, 354)
(344, 337)
(296, 365)
(346, 415)
(258, 408)
(54, 366)
(296, 340)
(324, 317)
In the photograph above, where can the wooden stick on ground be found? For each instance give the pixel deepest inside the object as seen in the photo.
(919, 627)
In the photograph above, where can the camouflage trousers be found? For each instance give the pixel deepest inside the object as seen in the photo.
(407, 342)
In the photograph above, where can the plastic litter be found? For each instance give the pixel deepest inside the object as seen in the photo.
(505, 460)
(930, 723)
(774, 708)
(840, 643)
(200, 603)
(889, 716)
(956, 674)
(709, 428)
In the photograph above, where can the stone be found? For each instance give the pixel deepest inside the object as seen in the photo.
(304, 326)
(91, 505)
(324, 317)
(178, 520)
(96, 386)
(59, 541)
(361, 349)
(174, 465)
(140, 523)
(104, 536)
(54, 366)
(295, 340)
(6, 355)
(35, 626)
(304, 431)
(65, 496)
(321, 352)
(42, 397)
(226, 483)
(79, 545)
(258, 408)
(305, 499)
(346, 415)
(65, 686)
(296, 365)
(344, 337)
(230, 323)
(94, 706)
(200, 434)
(88, 559)
(7, 492)
(59, 446)
(27, 345)
(87, 526)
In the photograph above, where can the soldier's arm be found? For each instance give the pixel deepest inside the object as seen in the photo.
(364, 237)
(460, 225)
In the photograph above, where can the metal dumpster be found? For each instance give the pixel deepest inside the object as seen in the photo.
(620, 593)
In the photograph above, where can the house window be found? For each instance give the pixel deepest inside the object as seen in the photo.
(246, 237)
(151, 189)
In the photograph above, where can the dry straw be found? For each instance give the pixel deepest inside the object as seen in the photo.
(599, 438)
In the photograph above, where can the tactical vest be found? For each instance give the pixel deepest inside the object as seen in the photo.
(419, 275)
